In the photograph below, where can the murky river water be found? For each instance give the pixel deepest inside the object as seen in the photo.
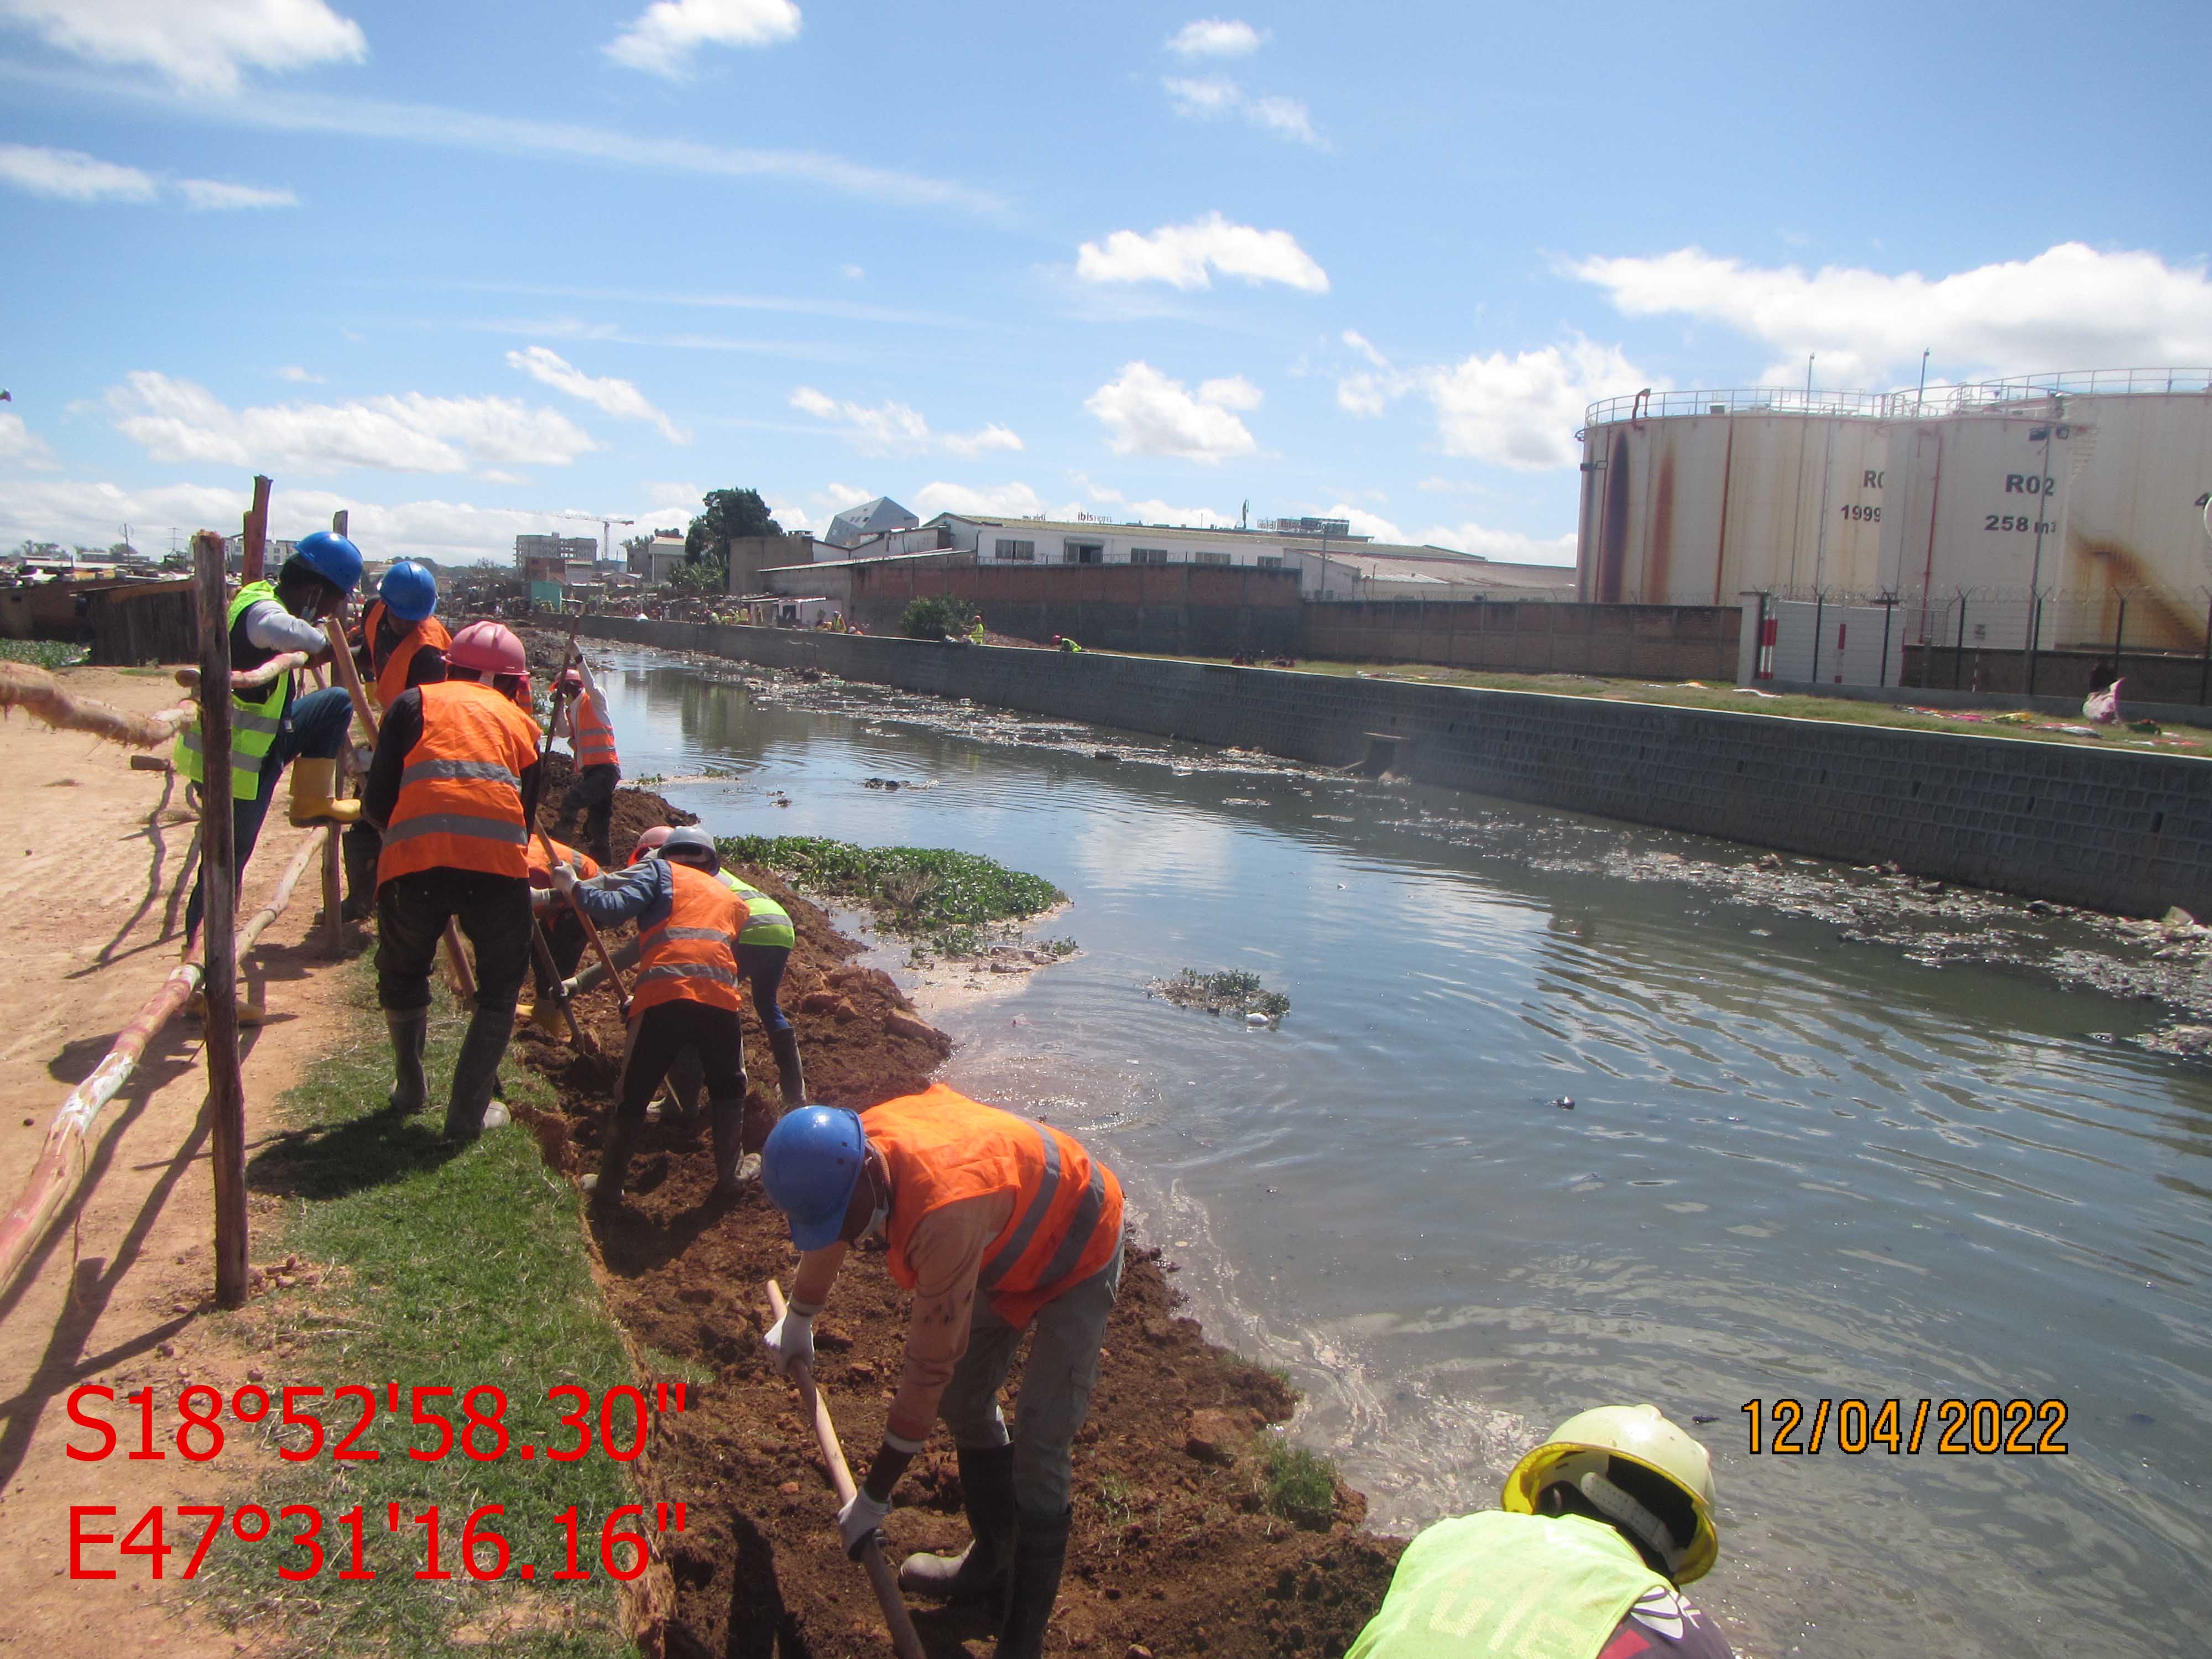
(1793, 1167)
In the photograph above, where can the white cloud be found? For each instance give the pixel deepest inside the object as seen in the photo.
(293, 372)
(667, 31)
(1007, 501)
(200, 45)
(208, 195)
(2069, 306)
(619, 398)
(1154, 510)
(893, 429)
(20, 446)
(177, 421)
(1183, 256)
(851, 273)
(1215, 37)
(71, 175)
(1148, 414)
(1518, 411)
(1508, 545)
(1364, 523)
(839, 496)
(1216, 96)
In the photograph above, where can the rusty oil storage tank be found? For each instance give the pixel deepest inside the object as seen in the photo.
(1699, 497)
(2088, 488)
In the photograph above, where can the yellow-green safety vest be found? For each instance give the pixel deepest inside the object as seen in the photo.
(1535, 1587)
(768, 924)
(255, 716)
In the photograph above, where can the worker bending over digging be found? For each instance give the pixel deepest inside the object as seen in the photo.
(688, 996)
(579, 713)
(565, 938)
(997, 1225)
(1602, 1524)
(268, 725)
(399, 645)
(454, 763)
(764, 951)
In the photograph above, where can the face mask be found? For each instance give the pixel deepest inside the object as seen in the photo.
(876, 1221)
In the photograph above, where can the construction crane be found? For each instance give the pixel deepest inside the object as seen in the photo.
(607, 523)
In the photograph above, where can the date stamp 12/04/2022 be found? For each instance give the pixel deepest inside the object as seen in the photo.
(1982, 1427)
(469, 1423)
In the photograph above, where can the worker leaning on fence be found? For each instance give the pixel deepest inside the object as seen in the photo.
(399, 645)
(454, 763)
(764, 951)
(579, 713)
(688, 995)
(997, 1225)
(565, 939)
(269, 726)
(1602, 1525)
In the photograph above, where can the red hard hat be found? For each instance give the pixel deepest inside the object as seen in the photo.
(569, 677)
(646, 842)
(489, 647)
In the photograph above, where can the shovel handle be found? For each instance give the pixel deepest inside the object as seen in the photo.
(907, 1644)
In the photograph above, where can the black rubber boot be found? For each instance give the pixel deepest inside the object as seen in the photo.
(1040, 1552)
(606, 1187)
(687, 1090)
(410, 1036)
(986, 1492)
(471, 1110)
(729, 1117)
(361, 845)
(784, 1045)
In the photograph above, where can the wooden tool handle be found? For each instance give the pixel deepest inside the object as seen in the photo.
(903, 1638)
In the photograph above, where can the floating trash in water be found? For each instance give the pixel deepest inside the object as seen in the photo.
(1564, 1103)
(1255, 1020)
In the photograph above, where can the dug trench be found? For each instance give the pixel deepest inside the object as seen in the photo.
(1176, 1549)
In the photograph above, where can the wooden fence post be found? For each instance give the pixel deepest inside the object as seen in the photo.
(253, 554)
(218, 873)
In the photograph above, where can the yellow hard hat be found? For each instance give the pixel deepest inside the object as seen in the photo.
(1642, 1437)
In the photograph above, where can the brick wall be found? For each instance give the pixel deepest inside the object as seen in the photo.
(2122, 832)
(1181, 610)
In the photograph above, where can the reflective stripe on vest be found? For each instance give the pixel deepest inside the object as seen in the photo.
(1547, 1588)
(687, 956)
(594, 738)
(545, 853)
(256, 716)
(768, 924)
(460, 799)
(942, 1148)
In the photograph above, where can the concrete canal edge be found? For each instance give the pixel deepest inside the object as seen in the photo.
(2122, 832)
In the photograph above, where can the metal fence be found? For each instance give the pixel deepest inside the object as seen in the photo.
(2054, 643)
(1902, 405)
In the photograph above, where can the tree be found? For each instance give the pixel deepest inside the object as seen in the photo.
(730, 514)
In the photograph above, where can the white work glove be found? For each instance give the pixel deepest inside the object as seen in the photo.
(790, 1340)
(859, 1520)
(564, 879)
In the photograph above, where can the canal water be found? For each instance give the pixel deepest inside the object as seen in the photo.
(1793, 1168)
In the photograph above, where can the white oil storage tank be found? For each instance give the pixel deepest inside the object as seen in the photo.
(2086, 489)
(1699, 497)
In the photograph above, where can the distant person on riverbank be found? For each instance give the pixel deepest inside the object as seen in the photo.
(579, 713)
(1603, 1523)
(997, 1225)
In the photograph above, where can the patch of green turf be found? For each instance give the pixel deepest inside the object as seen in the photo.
(1296, 1484)
(43, 653)
(946, 899)
(445, 1268)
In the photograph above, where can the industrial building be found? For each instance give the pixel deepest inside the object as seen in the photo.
(555, 549)
(2087, 488)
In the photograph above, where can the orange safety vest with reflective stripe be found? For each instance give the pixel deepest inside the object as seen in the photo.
(541, 866)
(392, 678)
(691, 956)
(460, 793)
(594, 737)
(941, 1147)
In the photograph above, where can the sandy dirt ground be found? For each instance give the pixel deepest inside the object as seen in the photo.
(117, 1287)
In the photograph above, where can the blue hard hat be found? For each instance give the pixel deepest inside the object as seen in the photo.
(409, 591)
(331, 556)
(809, 1166)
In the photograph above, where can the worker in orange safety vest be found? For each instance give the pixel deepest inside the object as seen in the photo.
(688, 994)
(579, 713)
(565, 938)
(997, 1225)
(399, 644)
(454, 763)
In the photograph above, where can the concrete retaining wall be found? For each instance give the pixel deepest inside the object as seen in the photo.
(2121, 832)
(1177, 610)
(1641, 642)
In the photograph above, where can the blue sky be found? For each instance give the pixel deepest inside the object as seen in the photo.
(459, 269)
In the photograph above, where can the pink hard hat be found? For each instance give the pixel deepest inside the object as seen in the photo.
(488, 648)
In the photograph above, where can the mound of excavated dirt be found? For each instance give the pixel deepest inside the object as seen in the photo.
(636, 811)
(1172, 1550)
